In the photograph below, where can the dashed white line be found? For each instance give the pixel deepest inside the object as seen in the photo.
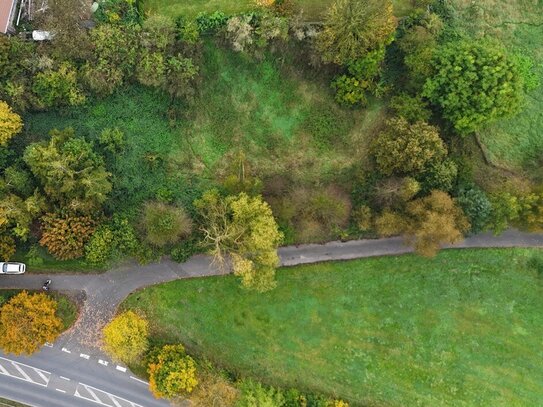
(65, 378)
(122, 369)
(139, 380)
(82, 355)
(103, 362)
(66, 350)
(62, 391)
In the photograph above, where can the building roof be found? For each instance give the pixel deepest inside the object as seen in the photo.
(7, 9)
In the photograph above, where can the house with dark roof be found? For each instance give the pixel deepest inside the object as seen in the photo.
(7, 15)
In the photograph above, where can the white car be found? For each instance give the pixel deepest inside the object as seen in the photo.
(12, 267)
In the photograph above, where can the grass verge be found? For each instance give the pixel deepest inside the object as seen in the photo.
(461, 329)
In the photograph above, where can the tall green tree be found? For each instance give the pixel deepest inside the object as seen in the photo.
(72, 175)
(354, 27)
(474, 83)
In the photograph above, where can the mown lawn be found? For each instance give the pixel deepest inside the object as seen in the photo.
(463, 329)
(66, 310)
(312, 9)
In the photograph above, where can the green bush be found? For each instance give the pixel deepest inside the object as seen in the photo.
(209, 23)
(55, 88)
(350, 91)
(254, 394)
(112, 140)
(412, 108)
(183, 251)
(164, 224)
(440, 175)
(476, 207)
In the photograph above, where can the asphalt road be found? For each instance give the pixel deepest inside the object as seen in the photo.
(54, 378)
(75, 372)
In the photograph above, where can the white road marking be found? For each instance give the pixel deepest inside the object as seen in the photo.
(25, 377)
(92, 391)
(139, 380)
(103, 362)
(66, 350)
(122, 369)
(49, 345)
(82, 355)
(65, 378)
(62, 391)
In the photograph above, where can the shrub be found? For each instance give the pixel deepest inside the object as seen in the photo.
(55, 88)
(255, 394)
(476, 207)
(172, 372)
(65, 236)
(474, 83)
(151, 69)
(112, 140)
(158, 32)
(405, 148)
(126, 337)
(100, 247)
(350, 91)
(362, 217)
(211, 22)
(440, 175)
(164, 224)
(27, 322)
(10, 123)
(412, 108)
(183, 251)
(122, 12)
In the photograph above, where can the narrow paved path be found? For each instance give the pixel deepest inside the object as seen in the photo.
(104, 292)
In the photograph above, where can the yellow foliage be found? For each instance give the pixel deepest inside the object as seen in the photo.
(214, 390)
(7, 247)
(265, 3)
(125, 337)
(27, 321)
(10, 123)
(172, 373)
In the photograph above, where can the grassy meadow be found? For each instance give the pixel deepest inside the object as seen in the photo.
(462, 329)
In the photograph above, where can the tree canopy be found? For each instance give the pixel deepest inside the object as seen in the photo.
(27, 321)
(474, 83)
(126, 337)
(354, 27)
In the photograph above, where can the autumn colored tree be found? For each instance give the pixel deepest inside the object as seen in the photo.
(434, 220)
(10, 123)
(172, 372)
(354, 27)
(27, 322)
(126, 337)
(407, 149)
(65, 236)
(243, 227)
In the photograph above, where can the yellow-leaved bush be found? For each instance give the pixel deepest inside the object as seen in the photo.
(10, 123)
(126, 337)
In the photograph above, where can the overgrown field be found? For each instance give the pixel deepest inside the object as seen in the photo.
(283, 123)
(312, 9)
(462, 329)
(515, 143)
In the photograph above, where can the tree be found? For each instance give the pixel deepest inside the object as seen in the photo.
(476, 206)
(164, 224)
(17, 213)
(354, 27)
(10, 123)
(71, 173)
(434, 220)
(474, 83)
(181, 75)
(27, 322)
(126, 337)
(505, 210)
(65, 236)
(243, 227)
(407, 149)
(172, 372)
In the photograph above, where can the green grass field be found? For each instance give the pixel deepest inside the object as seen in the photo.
(66, 310)
(312, 9)
(515, 143)
(462, 329)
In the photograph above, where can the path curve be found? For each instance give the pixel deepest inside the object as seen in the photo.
(104, 292)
